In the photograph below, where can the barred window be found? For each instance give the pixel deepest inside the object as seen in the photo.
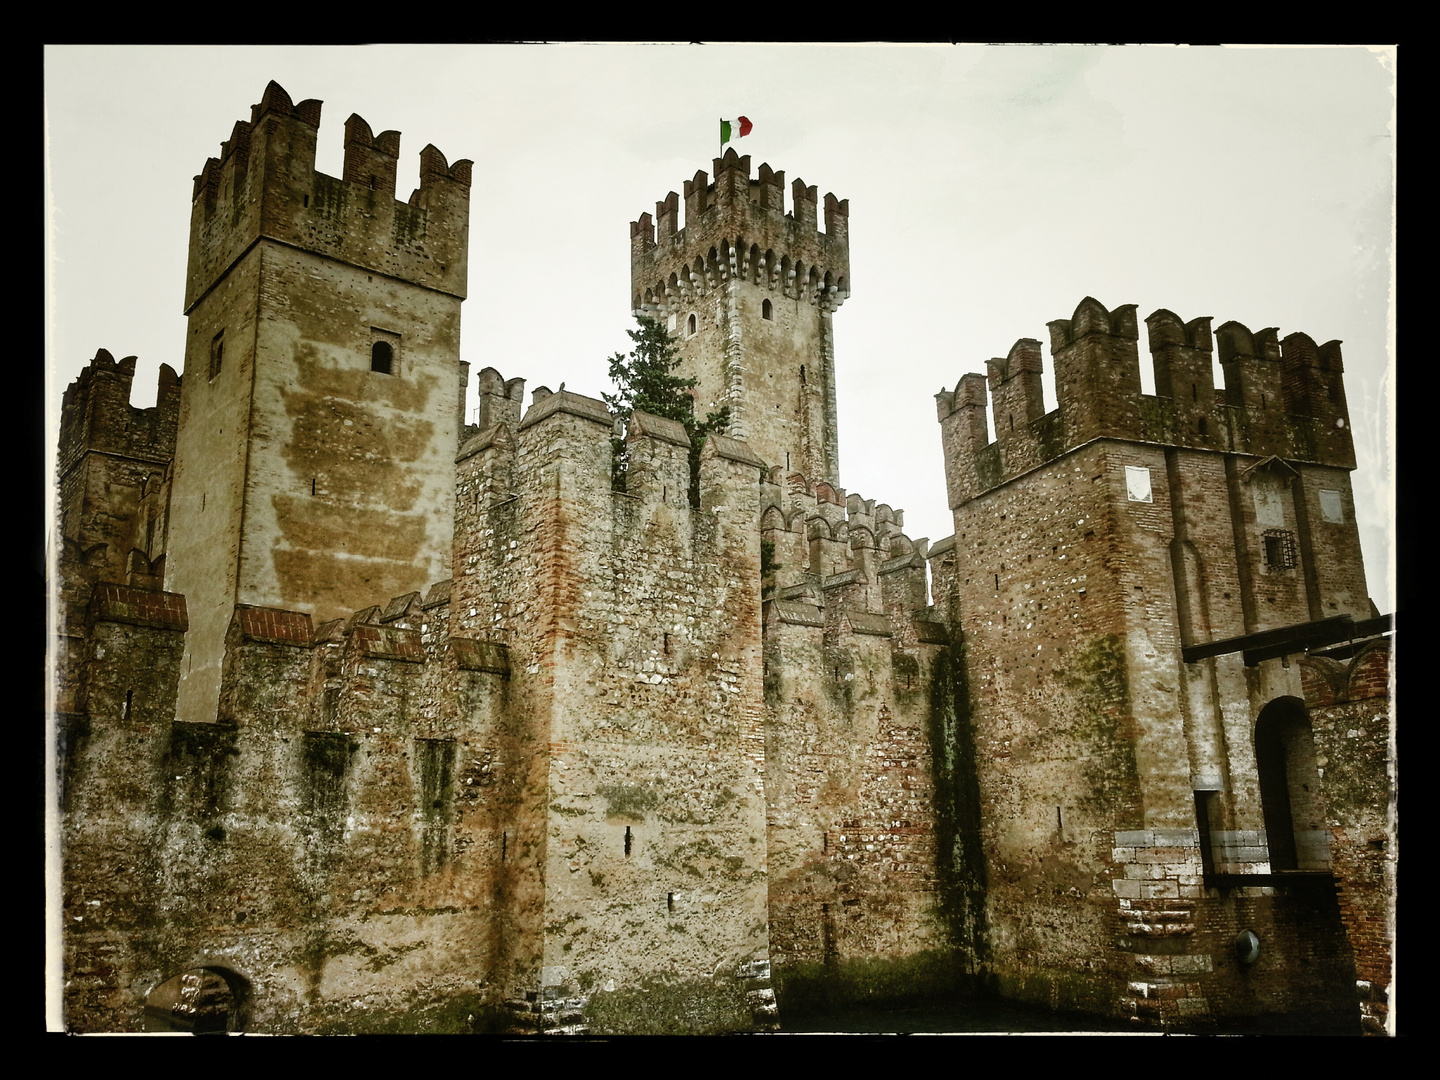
(1280, 549)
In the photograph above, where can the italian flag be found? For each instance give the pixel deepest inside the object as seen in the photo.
(736, 129)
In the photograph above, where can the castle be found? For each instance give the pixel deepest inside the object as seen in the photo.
(373, 720)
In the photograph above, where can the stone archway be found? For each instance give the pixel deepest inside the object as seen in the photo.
(200, 1000)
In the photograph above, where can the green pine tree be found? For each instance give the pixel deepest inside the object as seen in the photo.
(646, 380)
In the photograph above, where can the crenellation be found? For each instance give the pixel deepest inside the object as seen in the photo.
(114, 471)
(265, 186)
(499, 400)
(1258, 412)
(370, 161)
(437, 724)
(659, 459)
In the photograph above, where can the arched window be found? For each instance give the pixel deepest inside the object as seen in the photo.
(381, 356)
(690, 326)
(767, 310)
(1290, 787)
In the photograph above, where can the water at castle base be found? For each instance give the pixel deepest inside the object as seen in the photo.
(991, 1018)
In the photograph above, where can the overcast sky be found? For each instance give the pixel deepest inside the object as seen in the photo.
(990, 188)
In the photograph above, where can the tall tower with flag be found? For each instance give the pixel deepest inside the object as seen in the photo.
(748, 291)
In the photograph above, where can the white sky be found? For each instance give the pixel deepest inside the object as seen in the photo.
(990, 188)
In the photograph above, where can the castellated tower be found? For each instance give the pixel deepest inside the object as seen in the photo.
(1146, 771)
(425, 734)
(749, 293)
(321, 403)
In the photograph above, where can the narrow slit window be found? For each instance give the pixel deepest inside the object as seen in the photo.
(628, 841)
(217, 354)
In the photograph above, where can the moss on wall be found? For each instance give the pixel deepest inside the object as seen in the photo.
(457, 1014)
(628, 801)
(662, 1007)
(960, 862)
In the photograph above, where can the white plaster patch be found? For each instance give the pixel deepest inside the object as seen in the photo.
(1137, 483)
(1332, 508)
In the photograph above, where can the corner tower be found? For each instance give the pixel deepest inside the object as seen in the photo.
(318, 425)
(749, 292)
(1130, 573)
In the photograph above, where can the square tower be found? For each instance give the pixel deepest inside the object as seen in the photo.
(1147, 776)
(321, 401)
(749, 292)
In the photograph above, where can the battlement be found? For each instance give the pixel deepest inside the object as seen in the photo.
(264, 186)
(737, 228)
(498, 400)
(562, 447)
(830, 548)
(96, 414)
(1283, 399)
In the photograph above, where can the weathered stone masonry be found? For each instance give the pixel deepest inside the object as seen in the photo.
(374, 721)
(1123, 796)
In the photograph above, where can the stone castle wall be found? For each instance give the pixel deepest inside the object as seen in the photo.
(1093, 545)
(610, 761)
